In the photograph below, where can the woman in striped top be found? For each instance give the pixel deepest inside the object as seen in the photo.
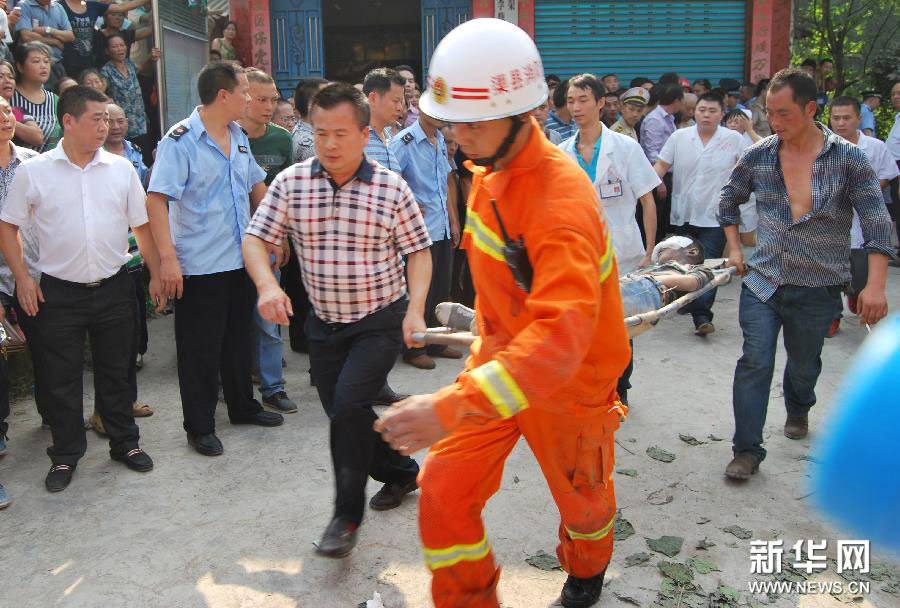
(33, 65)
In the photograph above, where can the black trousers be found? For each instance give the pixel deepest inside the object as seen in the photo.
(32, 331)
(213, 322)
(350, 363)
(292, 284)
(438, 291)
(106, 314)
(140, 335)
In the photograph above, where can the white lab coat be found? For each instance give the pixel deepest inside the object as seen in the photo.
(621, 159)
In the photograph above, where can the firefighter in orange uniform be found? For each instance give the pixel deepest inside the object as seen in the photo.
(552, 341)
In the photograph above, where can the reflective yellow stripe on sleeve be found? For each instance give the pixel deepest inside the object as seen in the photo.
(606, 261)
(444, 558)
(597, 535)
(483, 237)
(500, 388)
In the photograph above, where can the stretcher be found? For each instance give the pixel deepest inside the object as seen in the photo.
(636, 324)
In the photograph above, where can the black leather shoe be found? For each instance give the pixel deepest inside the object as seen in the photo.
(338, 540)
(136, 459)
(262, 418)
(208, 445)
(59, 477)
(280, 402)
(391, 495)
(582, 592)
(387, 396)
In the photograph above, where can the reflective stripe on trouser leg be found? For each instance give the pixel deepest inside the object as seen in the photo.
(459, 475)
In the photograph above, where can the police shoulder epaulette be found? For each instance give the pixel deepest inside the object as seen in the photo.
(177, 132)
(407, 139)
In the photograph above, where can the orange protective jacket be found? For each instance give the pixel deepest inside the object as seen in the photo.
(563, 343)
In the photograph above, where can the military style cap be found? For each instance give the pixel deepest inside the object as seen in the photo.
(637, 95)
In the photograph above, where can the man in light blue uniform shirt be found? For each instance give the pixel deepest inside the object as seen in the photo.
(383, 88)
(199, 204)
(871, 101)
(421, 154)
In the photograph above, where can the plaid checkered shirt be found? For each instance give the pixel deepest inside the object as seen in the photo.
(349, 239)
(813, 251)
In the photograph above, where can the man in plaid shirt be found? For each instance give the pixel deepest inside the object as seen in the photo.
(351, 220)
(808, 182)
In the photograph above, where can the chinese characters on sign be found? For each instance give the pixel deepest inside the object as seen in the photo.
(259, 36)
(508, 10)
(761, 41)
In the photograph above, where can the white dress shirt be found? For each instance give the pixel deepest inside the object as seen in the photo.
(623, 176)
(885, 168)
(81, 216)
(699, 172)
(893, 140)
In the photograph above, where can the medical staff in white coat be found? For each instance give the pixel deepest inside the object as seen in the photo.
(619, 170)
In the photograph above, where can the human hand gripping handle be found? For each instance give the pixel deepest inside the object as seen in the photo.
(411, 425)
(413, 323)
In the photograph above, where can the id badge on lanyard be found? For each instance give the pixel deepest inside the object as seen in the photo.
(611, 189)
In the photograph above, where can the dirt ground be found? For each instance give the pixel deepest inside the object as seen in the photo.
(237, 531)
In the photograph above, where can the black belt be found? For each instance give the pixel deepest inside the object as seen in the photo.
(91, 285)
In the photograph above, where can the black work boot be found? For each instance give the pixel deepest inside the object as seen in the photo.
(582, 592)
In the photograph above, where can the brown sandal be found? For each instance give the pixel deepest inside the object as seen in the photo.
(141, 410)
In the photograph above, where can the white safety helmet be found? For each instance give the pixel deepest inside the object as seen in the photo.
(484, 69)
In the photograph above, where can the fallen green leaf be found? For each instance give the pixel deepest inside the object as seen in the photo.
(622, 528)
(724, 597)
(627, 599)
(690, 439)
(680, 573)
(636, 558)
(702, 566)
(657, 453)
(667, 545)
(742, 533)
(628, 472)
(543, 561)
(705, 544)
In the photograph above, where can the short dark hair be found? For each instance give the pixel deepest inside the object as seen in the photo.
(735, 112)
(118, 35)
(406, 68)
(809, 62)
(611, 93)
(234, 23)
(380, 81)
(669, 78)
(589, 82)
(552, 77)
(82, 76)
(712, 98)
(803, 87)
(213, 78)
(670, 93)
(705, 82)
(335, 94)
(605, 76)
(560, 94)
(639, 81)
(762, 85)
(303, 93)
(846, 100)
(75, 99)
(22, 51)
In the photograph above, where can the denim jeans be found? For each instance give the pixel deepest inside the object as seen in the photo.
(713, 241)
(270, 350)
(805, 314)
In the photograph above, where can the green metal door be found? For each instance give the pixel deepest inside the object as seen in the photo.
(642, 38)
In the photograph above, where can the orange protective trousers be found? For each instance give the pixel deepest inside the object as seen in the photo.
(576, 453)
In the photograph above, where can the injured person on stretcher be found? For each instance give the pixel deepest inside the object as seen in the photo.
(677, 276)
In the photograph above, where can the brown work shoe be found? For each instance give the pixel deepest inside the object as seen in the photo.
(449, 353)
(796, 427)
(422, 361)
(742, 466)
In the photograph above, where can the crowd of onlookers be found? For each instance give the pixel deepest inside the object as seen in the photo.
(56, 46)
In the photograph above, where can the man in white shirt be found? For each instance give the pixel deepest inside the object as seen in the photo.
(846, 121)
(893, 145)
(701, 158)
(94, 196)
